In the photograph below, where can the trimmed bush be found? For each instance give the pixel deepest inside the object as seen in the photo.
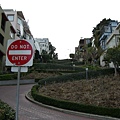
(2, 116)
(6, 112)
(58, 67)
(76, 76)
(8, 77)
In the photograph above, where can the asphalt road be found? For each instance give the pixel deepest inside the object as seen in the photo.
(29, 110)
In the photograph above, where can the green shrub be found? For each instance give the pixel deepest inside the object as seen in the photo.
(8, 77)
(76, 76)
(7, 113)
(2, 116)
(58, 67)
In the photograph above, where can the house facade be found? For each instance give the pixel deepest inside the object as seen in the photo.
(106, 31)
(112, 41)
(42, 44)
(19, 23)
(7, 32)
(80, 51)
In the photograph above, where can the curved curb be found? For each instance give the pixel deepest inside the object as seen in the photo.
(97, 117)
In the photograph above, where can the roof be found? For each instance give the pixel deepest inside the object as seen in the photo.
(21, 14)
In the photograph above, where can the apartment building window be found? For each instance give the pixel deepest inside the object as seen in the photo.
(19, 21)
(12, 34)
(24, 35)
(3, 21)
(1, 39)
(1, 56)
(18, 33)
(10, 17)
(27, 36)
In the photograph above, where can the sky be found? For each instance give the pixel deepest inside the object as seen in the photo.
(64, 22)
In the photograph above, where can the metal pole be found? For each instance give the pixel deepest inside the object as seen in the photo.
(17, 93)
(86, 73)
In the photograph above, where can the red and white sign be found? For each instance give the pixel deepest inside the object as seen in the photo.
(19, 53)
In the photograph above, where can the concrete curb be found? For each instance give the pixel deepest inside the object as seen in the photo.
(14, 82)
(97, 117)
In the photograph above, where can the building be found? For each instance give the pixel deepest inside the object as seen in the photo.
(19, 23)
(7, 31)
(80, 51)
(106, 31)
(42, 44)
(112, 41)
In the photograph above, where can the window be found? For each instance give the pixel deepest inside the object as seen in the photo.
(24, 35)
(27, 36)
(3, 21)
(1, 39)
(12, 35)
(11, 17)
(18, 33)
(1, 56)
(19, 21)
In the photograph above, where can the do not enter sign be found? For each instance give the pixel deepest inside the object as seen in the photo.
(19, 53)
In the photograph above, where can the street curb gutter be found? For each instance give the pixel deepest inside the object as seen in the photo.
(97, 117)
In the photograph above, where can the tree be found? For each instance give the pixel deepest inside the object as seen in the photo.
(113, 55)
(92, 54)
(71, 55)
(45, 56)
(97, 33)
(37, 56)
(55, 56)
(51, 50)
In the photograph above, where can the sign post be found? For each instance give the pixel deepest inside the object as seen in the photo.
(19, 54)
(17, 94)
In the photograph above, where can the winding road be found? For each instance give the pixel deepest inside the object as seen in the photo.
(31, 111)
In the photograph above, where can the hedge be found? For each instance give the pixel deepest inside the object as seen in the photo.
(8, 76)
(58, 67)
(75, 76)
(6, 112)
(113, 112)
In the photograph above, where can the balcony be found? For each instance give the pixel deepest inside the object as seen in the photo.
(104, 36)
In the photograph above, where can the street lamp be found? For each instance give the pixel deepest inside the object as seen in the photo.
(86, 73)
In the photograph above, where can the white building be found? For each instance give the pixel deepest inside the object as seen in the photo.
(42, 44)
(112, 41)
(19, 23)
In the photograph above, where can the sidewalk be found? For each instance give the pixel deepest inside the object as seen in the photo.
(14, 82)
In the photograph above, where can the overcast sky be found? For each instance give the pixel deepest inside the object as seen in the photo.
(64, 22)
